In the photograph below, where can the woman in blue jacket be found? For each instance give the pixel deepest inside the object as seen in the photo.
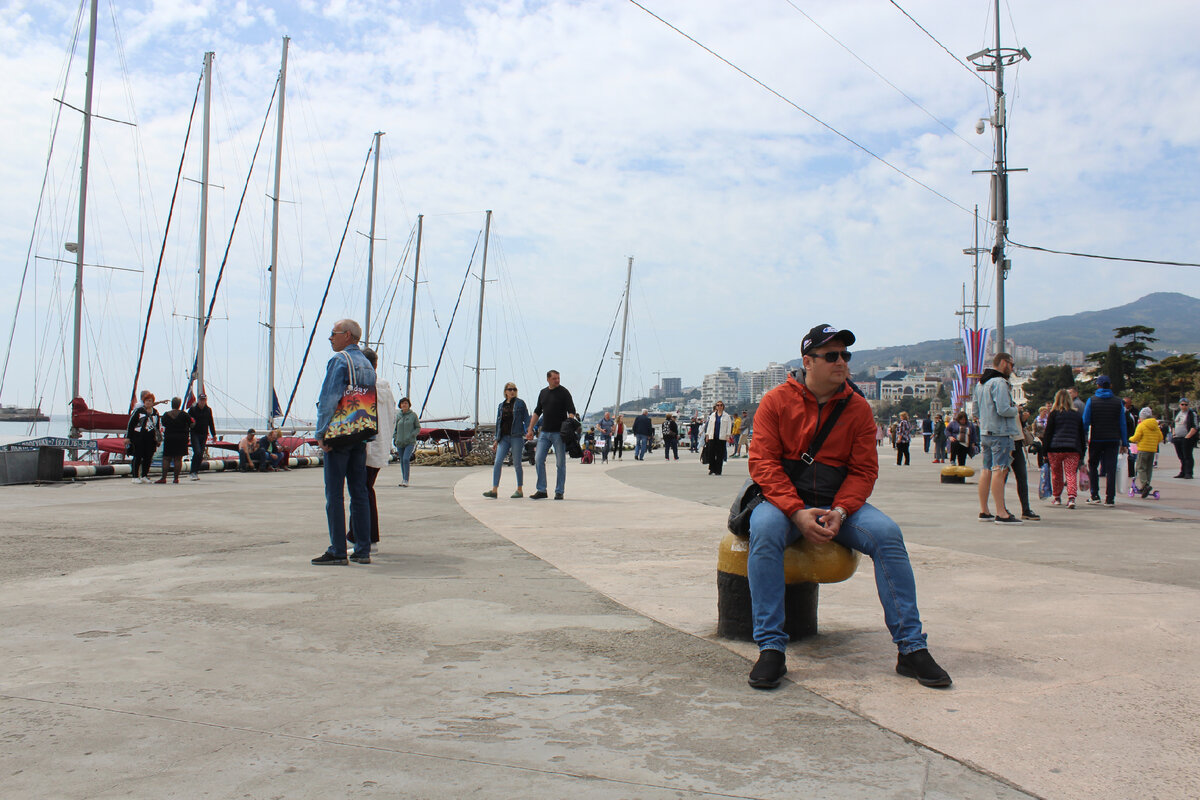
(512, 418)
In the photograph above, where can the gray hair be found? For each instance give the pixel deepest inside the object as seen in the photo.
(351, 327)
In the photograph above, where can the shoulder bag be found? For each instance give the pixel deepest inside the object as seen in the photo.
(816, 483)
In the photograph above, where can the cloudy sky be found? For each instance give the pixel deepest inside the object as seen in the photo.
(593, 132)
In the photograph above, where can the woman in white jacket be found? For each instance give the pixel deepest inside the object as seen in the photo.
(717, 432)
(379, 449)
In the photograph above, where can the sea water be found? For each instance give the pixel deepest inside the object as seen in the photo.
(60, 425)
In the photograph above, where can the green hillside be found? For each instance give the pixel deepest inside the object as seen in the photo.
(1174, 316)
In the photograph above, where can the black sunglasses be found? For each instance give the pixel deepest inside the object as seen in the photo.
(832, 356)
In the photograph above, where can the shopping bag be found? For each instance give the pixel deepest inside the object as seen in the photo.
(356, 417)
(1084, 484)
(1044, 486)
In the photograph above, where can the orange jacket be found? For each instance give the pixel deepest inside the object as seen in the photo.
(784, 427)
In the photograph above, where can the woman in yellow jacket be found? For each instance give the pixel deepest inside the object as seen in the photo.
(1147, 437)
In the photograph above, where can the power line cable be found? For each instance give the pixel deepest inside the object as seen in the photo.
(1104, 258)
(802, 110)
(881, 77)
(957, 60)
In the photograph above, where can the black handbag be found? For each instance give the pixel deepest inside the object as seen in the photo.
(816, 483)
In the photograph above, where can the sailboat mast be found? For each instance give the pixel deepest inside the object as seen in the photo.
(487, 233)
(83, 181)
(275, 239)
(412, 318)
(203, 255)
(371, 242)
(624, 328)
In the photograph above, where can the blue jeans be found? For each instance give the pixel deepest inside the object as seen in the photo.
(406, 454)
(642, 447)
(505, 444)
(1103, 454)
(347, 468)
(199, 439)
(545, 440)
(868, 531)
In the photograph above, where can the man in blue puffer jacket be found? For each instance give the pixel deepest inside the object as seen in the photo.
(998, 426)
(1104, 423)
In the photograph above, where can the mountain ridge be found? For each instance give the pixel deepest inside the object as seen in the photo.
(1174, 316)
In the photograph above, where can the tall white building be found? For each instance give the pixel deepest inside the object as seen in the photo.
(776, 374)
(718, 386)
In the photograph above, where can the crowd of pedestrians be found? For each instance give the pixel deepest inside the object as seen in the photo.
(1076, 444)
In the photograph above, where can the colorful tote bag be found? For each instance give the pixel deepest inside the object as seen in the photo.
(356, 417)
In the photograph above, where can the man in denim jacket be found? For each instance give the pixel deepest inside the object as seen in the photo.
(344, 465)
(998, 426)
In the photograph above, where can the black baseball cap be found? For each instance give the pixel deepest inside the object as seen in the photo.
(824, 334)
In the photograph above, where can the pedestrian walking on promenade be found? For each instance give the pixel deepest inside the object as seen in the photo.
(643, 431)
(553, 407)
(670, 434)
(142, 436)
(904, 432)
(203, 426)
(1064, 442)
(717, 432)
(1184, 437)
(176, 427)
(404, 437)
(958, 433)
(1104, 422)
(512, 421)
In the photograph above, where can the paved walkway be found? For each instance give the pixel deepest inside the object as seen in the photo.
(173, 641)
(1071, 641)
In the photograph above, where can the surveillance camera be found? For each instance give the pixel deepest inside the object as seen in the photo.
(979, 126)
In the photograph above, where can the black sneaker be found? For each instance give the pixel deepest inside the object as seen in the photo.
(1110, 503)
(920, 665)
(1093, 501)
(1029, 515)
(558, 495)
(330, 558)
(769, 670)
(986, 517)
(1146, 490)
(1009, 520)
(363, 559)
(538, 496)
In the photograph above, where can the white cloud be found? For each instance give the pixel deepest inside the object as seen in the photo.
(594, 132)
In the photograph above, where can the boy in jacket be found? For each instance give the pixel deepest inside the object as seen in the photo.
(787, 421)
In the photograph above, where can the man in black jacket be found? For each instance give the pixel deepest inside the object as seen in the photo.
(1104, 420)
(554, 405)
(643, 429)
(202, 428)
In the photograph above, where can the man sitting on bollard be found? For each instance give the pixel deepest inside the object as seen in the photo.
(837, 482)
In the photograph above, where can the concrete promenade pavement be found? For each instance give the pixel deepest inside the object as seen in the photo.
(1072, 641)
(173, 641)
